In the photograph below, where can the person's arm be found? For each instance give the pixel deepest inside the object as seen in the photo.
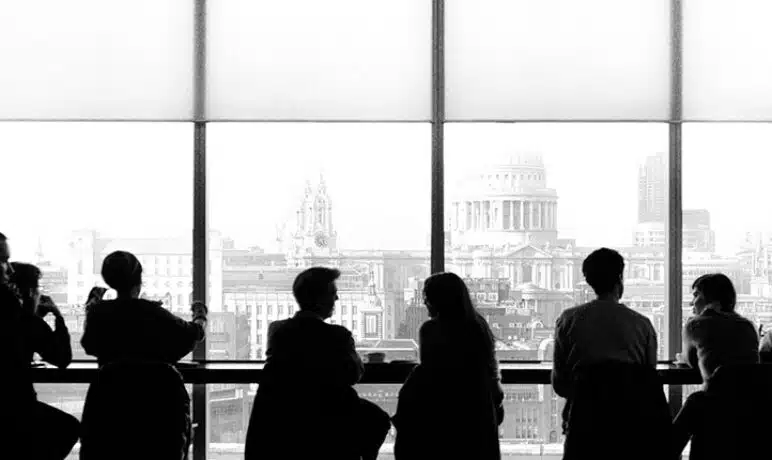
(652, 350)
(90, 341)
(350, 365)
(180, 336)
(52, 345)
(690, 337)
(561, 374)
(428, 352)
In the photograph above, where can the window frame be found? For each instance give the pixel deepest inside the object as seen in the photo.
(200, 263)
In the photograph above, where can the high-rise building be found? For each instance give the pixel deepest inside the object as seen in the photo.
(652, 204)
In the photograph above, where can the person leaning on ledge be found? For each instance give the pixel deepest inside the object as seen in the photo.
(602, 330)
(717, 335)
(306, 406)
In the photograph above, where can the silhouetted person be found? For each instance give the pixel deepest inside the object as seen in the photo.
(717, 335)
(138, 407)
(605, 360)
(306, 406)
(37, 430)
(134, 329)
(451, 405)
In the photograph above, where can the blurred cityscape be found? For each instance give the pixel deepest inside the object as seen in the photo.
(501, 236)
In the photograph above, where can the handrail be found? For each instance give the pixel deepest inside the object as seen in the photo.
(209, 372)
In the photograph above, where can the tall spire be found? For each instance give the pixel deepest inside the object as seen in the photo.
(39, 256)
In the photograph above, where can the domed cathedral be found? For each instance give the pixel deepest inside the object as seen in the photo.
(506, 204)
(314, 233)
(503, 225)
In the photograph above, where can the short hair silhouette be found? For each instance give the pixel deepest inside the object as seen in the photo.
(717, 287)
(2, 237)
(122, 271)
(603, 270)
(311, 284)
(25, 276)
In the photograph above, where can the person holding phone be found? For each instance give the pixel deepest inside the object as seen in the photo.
(61, 430)
(138, 399)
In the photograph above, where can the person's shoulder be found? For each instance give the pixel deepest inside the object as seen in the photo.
(636, 315)
(571, 312)
(338, 330)
(280, 324)
(429, 327)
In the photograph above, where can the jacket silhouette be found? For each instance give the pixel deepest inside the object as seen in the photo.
(306, 406)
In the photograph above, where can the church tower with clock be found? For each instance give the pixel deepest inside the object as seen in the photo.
(314, 231)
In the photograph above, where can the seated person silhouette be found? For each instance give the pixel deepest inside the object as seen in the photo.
(138, 399)
(605, 345)
(717, 338)
(306, 406)
(40, 431)
(451, 404)
(716, 335)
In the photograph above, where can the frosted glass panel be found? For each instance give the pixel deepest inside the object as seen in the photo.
(557, 59)
(312, 59)
(96, 59)
(727, 60)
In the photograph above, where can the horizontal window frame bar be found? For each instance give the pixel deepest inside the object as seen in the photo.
(375, 373)
(754, 121)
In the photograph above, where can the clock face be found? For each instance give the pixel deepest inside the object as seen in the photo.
(320, 240)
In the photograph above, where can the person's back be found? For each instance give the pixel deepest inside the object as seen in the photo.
(607, 335)
(130, 329)
(306, 349)
(603, 331)
(458, 364)
(135, 340)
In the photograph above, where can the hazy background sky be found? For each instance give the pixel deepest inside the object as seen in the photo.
(135, 179)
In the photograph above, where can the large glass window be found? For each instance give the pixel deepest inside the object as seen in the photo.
(286, 188)
(284, 197)
(726, 226)
(78, 191)
(525, 204)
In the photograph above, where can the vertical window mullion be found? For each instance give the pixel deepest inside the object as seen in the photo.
(200, 225)
(438, 138)
(675, 204)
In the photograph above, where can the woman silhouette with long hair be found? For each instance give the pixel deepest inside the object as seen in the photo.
(451, 405)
